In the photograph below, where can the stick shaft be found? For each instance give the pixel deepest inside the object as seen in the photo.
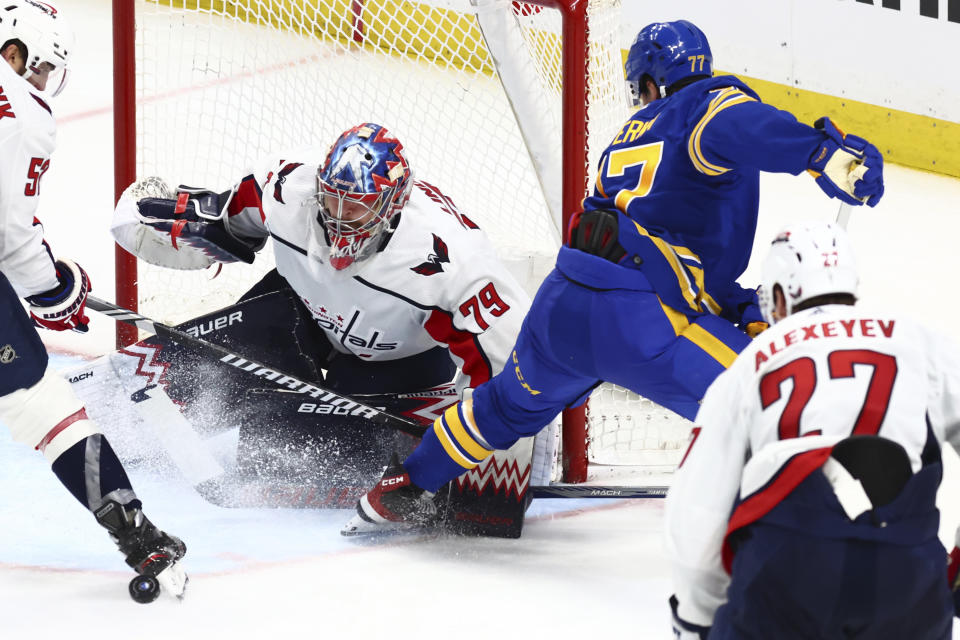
(586, 491)
(222, 353)
(843, 214)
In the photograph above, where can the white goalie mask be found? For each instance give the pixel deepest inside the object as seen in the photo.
(47, 37)
(807, 260)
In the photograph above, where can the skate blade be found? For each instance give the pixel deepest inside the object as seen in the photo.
(357, 526)
(173, 581)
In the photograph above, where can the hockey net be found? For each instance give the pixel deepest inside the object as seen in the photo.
(473, 88)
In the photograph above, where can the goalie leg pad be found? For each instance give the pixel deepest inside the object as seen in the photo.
(291, 438)
(491, 499)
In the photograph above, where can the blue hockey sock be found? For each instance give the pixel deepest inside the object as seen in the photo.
(91, 471)
(452, 446)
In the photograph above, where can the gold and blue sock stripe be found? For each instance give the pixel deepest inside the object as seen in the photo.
(457, 433)
(724, 99)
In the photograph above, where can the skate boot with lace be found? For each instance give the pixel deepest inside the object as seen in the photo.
(395, 503)
(152, 553)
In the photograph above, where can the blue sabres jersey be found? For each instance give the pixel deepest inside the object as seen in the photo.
(686, 169)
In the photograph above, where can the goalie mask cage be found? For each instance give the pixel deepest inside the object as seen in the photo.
(505, 106)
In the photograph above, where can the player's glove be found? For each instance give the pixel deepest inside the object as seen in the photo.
(182, 229)
(62, 307)
(193, 219)
(753, 329)
(751, 319)
(847, 167)
(683, 630)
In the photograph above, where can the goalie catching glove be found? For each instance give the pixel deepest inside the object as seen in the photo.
(186, 229)
(63, 307)
(847, 167)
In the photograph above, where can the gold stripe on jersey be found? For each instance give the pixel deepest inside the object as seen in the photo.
(697, 272)
(711, 304)
(693, 142)
(725, 99)
(691, 290)
(710, 344)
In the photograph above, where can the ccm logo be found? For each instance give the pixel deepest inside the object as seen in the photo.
(389, 482)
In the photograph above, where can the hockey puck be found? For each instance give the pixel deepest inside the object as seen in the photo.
(144, 589)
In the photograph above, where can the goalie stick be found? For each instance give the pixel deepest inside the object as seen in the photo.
(381, 417)
(226, 355)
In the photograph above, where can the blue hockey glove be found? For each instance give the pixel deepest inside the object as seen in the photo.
(751, 319)
(847, 167)
(683, 630)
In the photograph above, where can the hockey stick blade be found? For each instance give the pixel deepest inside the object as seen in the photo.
(230, 357)
(586, 491)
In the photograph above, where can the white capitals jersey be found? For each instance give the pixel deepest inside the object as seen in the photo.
(437, 282)
(27, 140)
(812, 379)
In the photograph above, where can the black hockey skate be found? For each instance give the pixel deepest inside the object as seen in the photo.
(395, 503)
(153, 554)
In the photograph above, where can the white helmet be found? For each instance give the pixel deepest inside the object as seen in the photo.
(44, 32)
(807, 260)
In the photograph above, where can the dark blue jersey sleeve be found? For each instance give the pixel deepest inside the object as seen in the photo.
(751, 134)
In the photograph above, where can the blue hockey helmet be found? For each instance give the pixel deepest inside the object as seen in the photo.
(364, 182)
(668, 52)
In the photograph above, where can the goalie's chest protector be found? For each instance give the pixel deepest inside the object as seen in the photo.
(382, 308)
